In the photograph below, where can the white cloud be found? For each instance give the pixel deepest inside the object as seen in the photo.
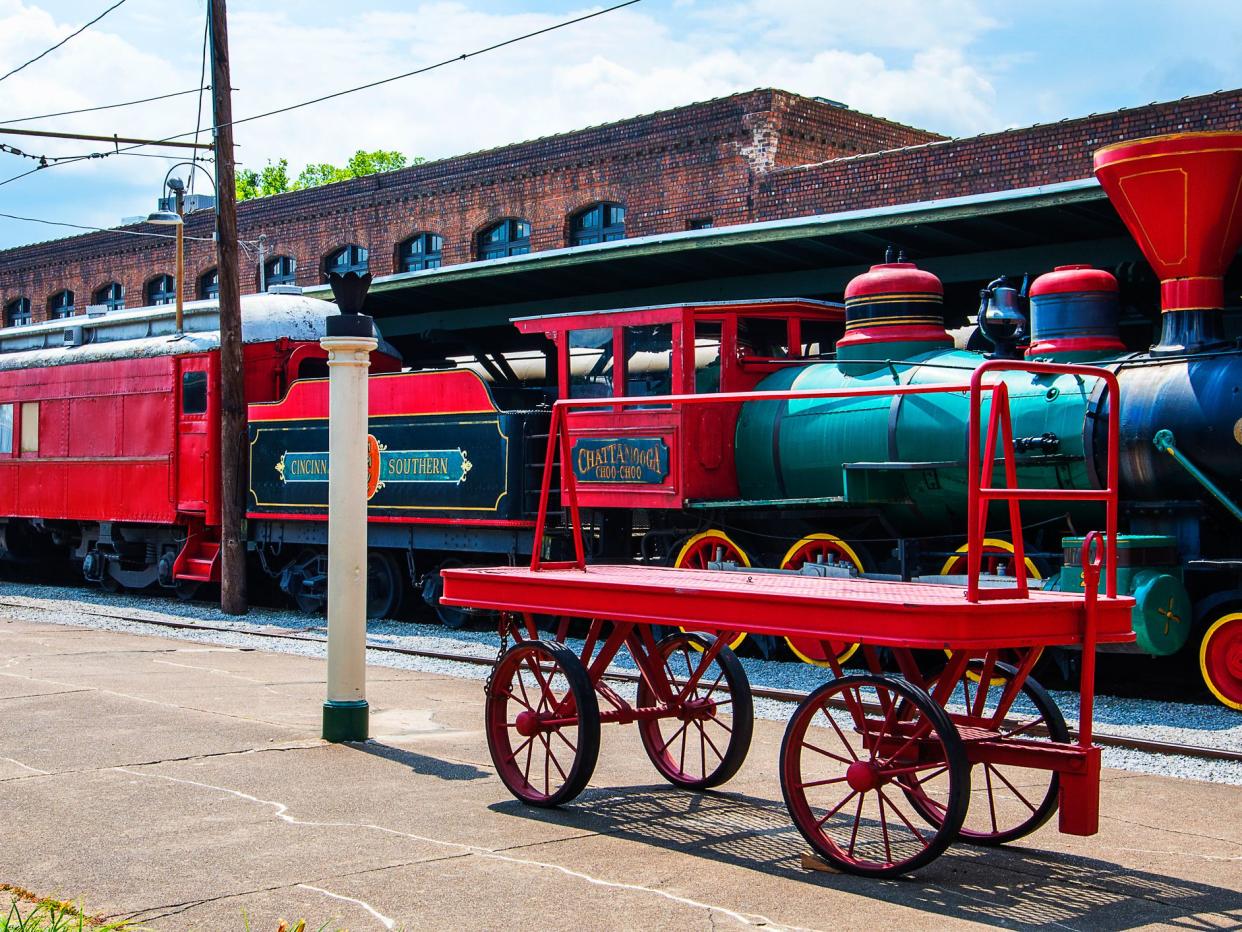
(905, 61)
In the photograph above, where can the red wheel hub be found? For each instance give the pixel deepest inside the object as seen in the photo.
(699, 708)
(1221, 660)
(863, 776)
(527, 724)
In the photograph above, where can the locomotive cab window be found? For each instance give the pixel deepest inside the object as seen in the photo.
(707, 337)
(819, 337)
(590, 363)
(649, 360)
(194, 393)
(764, 337)
(6, 429)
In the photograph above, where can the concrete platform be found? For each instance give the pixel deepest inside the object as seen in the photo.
(184, 786)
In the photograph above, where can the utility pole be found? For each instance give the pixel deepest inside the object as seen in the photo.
(232, 382)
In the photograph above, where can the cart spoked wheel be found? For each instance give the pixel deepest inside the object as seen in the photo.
(846, 750)
(1006, 802)
(542, 723)
(821, 548)
(998, 560)
(704, 742)
(697, 551)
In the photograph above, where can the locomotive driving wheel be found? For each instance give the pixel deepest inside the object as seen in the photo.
(998, 559)
(821, 548)
(849, 749)
(1220, 659)
(706, 739)
(1009, 802)
(711, 547)
(385, 586)
(542, 723)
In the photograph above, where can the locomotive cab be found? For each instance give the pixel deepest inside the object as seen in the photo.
(657, 455)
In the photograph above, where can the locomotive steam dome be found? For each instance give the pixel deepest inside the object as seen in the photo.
(893, 303)
(1074, 312)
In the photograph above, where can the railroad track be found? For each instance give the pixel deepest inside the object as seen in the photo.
(1103, 739)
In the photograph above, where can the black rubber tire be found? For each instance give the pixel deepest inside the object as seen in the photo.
(499, 730)
(742, 711)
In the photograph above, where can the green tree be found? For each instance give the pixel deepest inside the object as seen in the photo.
(274, 177)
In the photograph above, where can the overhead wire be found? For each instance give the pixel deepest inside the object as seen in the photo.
(124, 103)
(83, 226)
(76, 32)
(352, 90)
(202, 82)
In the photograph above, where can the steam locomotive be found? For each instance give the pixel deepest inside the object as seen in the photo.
(107, 449)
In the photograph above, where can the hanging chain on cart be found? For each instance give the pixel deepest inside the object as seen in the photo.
(500, 652)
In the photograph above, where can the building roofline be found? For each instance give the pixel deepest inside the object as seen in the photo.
(1084, 189)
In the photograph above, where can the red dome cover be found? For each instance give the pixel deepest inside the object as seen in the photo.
(1070, 278)
(894, 278)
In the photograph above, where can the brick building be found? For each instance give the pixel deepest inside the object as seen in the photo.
(761, 155)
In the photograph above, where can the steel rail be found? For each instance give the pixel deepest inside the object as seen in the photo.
(1124, 742)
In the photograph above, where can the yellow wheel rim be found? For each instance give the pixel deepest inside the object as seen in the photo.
(995, 544)
(1205, 669)
(712, 539)
(842, 548)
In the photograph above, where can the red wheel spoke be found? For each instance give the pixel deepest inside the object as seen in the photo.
(521, 747)
(901, 815)
(530, 749)
(1025, 727)
(857, 821)
(933, 775)
(573, 747)
(916, 735)
(1016, 792)
(552, 754)
(833, 722)
(509, 695)
(822, 782)
(888, 849)
(914, 768)
(836, 757)
(707, 738)
(681, 763)
(702, 749)
(837, 808)
(987, 778)
(681, 730)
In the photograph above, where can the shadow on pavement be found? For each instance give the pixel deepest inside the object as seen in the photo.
(419, 763)
(1012, 887)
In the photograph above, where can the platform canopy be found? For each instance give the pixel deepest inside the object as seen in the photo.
(967, 241)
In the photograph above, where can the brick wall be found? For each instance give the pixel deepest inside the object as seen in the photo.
(1017, 158)
(665, 167)
(760, 155)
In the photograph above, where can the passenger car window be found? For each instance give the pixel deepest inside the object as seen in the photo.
(763, 336)
(649, 360)
(194, 393)
(6, 428)
(30, 427)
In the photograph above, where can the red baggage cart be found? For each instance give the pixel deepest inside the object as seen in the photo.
(880, 770)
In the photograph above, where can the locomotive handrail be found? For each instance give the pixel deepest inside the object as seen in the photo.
(979, 490)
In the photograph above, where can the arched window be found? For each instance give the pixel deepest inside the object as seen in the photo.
(421, 251)
(279, 270)
(349, 258)
(597, 224)
(60, 305)
(17, 312)
(209, 284)
(111, 295)
(506, 238)
(161, 290)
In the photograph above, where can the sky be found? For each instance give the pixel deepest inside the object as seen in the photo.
(958, 67)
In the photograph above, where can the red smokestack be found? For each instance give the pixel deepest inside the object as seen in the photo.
(1181, 199)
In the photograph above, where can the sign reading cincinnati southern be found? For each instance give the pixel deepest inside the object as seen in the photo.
(416, 465)
(383, 466)
(642, 460)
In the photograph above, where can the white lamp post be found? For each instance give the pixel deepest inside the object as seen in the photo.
(349, 342)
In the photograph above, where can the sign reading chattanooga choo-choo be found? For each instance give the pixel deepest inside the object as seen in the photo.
(620, 459)
(415, 465)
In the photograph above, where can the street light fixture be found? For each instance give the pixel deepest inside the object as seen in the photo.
(176, 218)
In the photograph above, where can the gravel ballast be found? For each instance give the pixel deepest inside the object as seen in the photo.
(1199, 725)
